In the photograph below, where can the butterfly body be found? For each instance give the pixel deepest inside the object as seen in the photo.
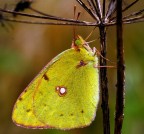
(64, 95)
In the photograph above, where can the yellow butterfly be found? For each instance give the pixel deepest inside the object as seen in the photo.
(65, 94)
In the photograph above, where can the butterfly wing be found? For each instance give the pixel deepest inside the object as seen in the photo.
(64, 96)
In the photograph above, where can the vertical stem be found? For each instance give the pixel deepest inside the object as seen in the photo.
(120, 94)
(104, 81)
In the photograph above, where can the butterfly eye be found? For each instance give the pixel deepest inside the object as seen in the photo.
(78, 42)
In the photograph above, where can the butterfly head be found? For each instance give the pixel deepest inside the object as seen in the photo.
(80, 43)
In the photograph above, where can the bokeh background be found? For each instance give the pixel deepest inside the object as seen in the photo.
(25, 49)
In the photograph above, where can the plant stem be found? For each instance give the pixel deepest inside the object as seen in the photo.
(120, 94)
(104, 81)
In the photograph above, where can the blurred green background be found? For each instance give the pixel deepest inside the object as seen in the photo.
(25, 49)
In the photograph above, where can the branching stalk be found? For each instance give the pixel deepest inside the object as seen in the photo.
(104, 82)
(120, 94)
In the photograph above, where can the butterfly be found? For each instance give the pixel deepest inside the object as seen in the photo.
(65, 94)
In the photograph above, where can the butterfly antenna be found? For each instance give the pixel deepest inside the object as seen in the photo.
(90, 41)
(90, 34)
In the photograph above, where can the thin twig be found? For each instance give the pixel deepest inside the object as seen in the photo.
(134, 18)
(86, 8)
(96, 9)
(125, 9)
(40, 17)
(134, 14)
(111, 9)
(104, 8)
(93, 7)
(50, 23)
(98, 6)
(134, 21)
(130, 5)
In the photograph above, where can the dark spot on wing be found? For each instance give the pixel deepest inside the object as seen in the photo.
(44, 105)
(28, 110)
(78, 50)
(82, 111)
(71, 114)
(81, 63)
(20, 99)
(41, 93)
(45, 77)
(61, 114)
